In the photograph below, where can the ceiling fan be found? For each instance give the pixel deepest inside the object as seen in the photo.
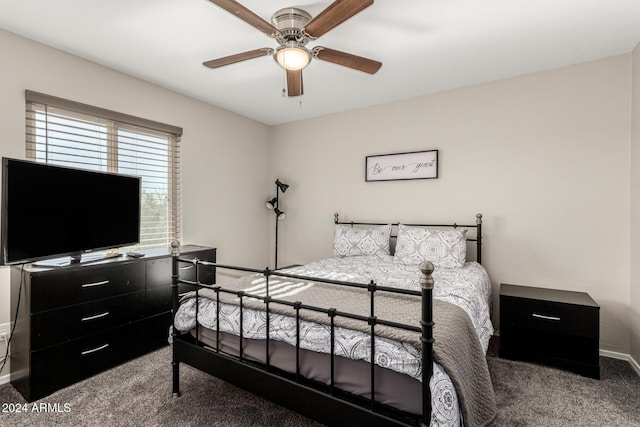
(293, 28)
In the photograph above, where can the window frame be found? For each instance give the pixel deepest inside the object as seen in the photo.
(115, 122)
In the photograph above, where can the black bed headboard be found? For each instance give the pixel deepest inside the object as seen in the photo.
(477, 226)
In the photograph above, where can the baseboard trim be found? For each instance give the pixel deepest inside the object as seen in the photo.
(634, 365)
(622, 356)
(5, 379)
(614, 355)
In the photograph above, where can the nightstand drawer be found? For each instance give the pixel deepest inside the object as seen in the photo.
(556, 327)
(65, 287)
(522, 313)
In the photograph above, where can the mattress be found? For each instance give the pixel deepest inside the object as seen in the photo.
(467, 287)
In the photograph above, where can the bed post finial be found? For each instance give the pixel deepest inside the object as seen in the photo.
(426, 280)
(175, 248)
(335, 217)
(479, 238)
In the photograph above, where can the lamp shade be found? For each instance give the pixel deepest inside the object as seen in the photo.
(279, 214)
(273, 203)
(292, 57)
(281, 185)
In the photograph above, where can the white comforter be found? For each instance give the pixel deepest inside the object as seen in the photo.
(467, 287)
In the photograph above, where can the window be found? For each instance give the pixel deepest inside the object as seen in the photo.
(76, 135)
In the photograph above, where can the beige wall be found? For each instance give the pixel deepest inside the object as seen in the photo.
(224, 175)
(544, 157)
(635, 207)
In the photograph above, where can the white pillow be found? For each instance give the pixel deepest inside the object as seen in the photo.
(444, 248)
(350, 241)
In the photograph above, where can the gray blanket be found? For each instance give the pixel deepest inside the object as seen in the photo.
(453, 332)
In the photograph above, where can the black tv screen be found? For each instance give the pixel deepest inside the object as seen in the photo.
(52, 211)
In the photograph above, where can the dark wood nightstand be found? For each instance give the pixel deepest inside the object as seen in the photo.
(559, 328)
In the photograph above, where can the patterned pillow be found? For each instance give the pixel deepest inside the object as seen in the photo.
(444, 248)
(350, 241)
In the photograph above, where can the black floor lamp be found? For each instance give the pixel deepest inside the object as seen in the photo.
(273, 204)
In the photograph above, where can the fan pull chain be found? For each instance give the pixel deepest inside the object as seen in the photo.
(284, 83)
(300, 97)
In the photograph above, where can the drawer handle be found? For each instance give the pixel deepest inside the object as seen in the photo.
(97, 316)
(93, 350)
(542, 316)
(186, 267)
(90, 285)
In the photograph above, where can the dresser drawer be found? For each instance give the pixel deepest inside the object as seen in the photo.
(159, 270)
(158, 300)
(59, 366)
(56, 326)
(55, 289)
(522, 313)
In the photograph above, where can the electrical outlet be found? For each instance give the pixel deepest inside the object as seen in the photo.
(5, 328)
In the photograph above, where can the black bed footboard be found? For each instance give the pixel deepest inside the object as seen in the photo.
(325, 403)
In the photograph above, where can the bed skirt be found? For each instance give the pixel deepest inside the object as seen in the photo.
(394, 389)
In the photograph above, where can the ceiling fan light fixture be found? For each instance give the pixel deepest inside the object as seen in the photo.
(292, 57)
(292, 29)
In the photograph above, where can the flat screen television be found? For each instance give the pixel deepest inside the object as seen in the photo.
(52, 211)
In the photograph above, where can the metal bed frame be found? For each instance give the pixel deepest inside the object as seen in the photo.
(326, 404)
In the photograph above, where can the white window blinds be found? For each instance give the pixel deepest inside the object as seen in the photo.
(71, 134)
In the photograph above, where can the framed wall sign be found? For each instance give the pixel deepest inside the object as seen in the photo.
(402, 166)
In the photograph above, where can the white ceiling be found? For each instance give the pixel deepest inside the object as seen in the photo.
(425, 46)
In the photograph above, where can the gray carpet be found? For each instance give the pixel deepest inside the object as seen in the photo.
(531, 395)
(138, 393)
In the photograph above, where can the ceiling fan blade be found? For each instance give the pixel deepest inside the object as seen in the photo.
(294, 83)
(238, 57)
(335, 14)
(348, 60)
(246, 15)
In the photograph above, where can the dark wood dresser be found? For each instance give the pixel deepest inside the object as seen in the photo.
(76, 321)
(559, 328)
